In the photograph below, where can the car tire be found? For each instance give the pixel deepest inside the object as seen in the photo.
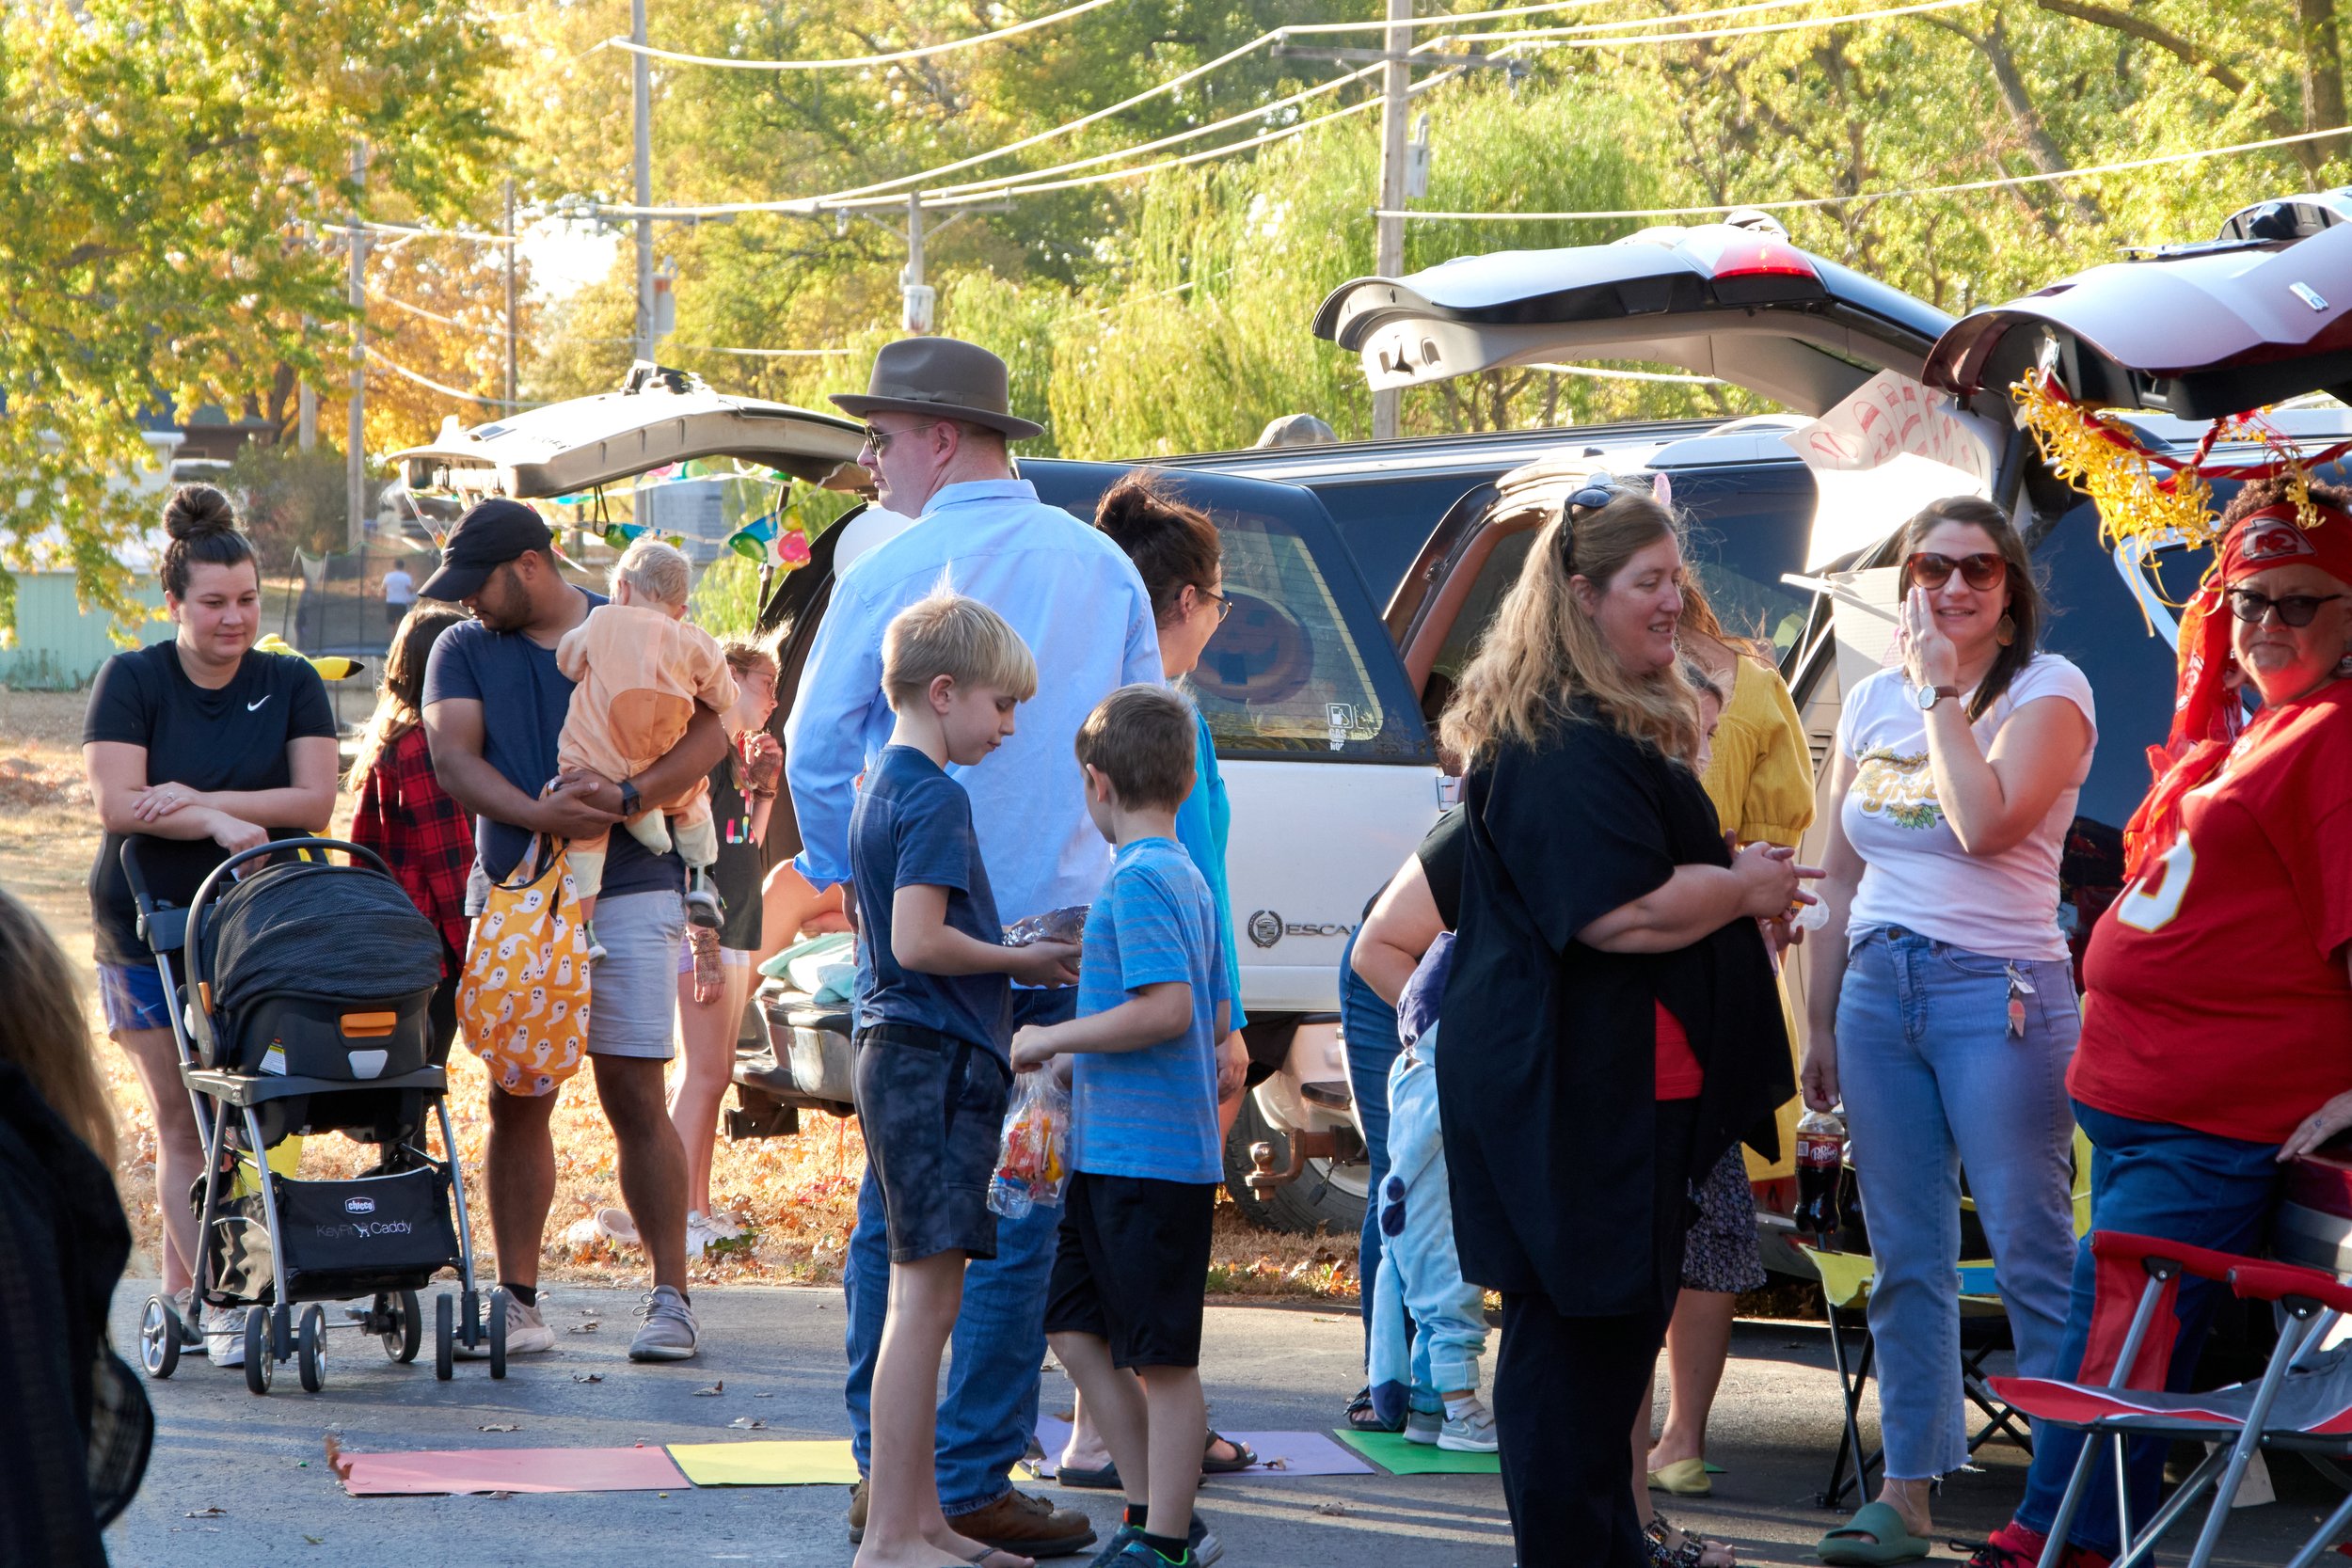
(1321, 1198)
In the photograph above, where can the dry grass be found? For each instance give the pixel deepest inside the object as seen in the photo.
(796, 1195)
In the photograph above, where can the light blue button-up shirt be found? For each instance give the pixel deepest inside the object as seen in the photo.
(1076, 600)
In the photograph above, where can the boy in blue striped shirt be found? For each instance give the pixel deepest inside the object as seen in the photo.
(1131, 1260)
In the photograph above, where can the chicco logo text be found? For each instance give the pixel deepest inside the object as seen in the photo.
(359, 1205)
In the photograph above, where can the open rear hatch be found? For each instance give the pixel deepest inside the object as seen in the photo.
(2198, 331)
(659, 418)
(1739, 304)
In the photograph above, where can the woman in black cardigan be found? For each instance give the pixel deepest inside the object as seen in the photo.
(1613, 1003)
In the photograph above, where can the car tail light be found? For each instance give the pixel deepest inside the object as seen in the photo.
(1746, 267)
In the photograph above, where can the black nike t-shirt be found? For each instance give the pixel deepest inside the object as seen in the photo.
(233, 738)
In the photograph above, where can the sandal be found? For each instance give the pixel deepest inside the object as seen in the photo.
(1670, 1547)
(1875, 1536)
(1244, 1456)
(1362, 1416)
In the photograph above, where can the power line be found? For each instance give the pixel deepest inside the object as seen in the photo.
(1443, 19)
(1813, 201)
(1799, 25)
(407, 375)
(767, 353)
(856, 62)
(417, 232)
(498, 332)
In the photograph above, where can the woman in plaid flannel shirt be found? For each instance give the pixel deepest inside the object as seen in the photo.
(404, 816)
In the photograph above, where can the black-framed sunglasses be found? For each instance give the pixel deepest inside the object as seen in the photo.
(1224, 605)
(1599, 490)
(1980, 571)
(2295, 609)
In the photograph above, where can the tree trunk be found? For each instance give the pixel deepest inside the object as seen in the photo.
(2323, 66)
(1993, 43)
(2194, 56)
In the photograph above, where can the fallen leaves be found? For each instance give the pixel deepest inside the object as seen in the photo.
(588, 1328)
(587, 1377)
(712, 1392)
(212, 1511)
(504, 1426)
(748, 1423)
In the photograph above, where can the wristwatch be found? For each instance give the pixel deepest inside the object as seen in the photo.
(1929, 697)
(629, 799)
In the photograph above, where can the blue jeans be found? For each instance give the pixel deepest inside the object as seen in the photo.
(1420, 1269)
(1368, 1026)
(1933, 1080)
(2149, 1179)
(988, 1412)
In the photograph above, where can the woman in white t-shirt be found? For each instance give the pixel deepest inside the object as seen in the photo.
(1941, 998)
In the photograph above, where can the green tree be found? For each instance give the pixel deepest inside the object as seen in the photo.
(157, 167)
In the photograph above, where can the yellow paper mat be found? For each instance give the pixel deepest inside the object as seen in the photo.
(818, 1462)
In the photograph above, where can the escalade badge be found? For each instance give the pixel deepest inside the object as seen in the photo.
(1265, 927)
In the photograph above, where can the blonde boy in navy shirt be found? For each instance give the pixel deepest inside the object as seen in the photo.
(930, 1022)
(1133, 1257)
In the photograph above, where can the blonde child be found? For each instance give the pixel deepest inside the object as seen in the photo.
(641, 666)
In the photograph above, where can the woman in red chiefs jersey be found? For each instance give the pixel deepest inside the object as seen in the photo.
(2216, 1038)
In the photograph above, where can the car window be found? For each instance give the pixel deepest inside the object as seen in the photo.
(1383, 522)
(1300, 667)
(1747, 525)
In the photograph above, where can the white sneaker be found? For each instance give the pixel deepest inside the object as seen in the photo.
(224, 1335)
(1472, 1432)
(702, 1233)
(527, 1330)
(1424, 1426)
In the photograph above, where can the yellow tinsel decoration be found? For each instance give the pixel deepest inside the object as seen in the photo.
(2101, 456)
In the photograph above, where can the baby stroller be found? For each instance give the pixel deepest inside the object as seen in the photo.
(305, 1011)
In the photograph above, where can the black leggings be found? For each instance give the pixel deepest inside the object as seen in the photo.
(1567, 1390)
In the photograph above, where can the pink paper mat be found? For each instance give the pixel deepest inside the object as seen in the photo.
(1299, 1453)
(461, 1470)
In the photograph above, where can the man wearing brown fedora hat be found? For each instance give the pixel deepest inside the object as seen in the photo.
(938, 424)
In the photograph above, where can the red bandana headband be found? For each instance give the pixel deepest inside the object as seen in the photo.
(2207, 712)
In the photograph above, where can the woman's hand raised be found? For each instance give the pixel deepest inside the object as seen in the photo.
(1769, 880)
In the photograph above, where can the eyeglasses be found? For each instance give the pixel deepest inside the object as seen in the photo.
(879, 440)
(1224, 605)
(1980, 571)
(1598, 491)
(2296, 610)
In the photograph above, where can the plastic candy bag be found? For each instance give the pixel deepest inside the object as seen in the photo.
(1033, 1159)
(1067, 924)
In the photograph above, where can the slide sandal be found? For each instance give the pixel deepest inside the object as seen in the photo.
(1103, 1478)
(1875, 1535)
(1244, 1456)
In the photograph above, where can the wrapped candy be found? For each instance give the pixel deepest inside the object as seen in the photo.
(1067, 924)
(1033, 1158)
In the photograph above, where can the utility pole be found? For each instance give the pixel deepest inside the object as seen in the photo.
(641, 75)
(1396, 84)
(306, 395)
(511, 394)
(355, 451)
(919, 300)
(1397, 159)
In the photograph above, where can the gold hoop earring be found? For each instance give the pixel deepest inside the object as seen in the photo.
(2006, 633)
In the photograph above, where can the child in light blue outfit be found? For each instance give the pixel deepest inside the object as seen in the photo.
(1432, 1362)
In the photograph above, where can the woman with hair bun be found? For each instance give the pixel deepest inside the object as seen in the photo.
(199, 747)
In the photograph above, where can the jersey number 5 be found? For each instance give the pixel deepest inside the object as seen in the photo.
(2149, 903)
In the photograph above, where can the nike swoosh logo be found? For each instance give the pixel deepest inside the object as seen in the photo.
(256, 702)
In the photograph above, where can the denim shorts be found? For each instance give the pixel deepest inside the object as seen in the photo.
(932, 1111)
(133, 997)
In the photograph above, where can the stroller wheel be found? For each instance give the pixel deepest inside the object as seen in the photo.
(258, 1364)
(497, 1333)
(444, 1337)
(159, 1337)
(406, 1333)
(311, 1349)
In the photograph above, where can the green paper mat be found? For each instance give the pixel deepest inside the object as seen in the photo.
(1392, 1453)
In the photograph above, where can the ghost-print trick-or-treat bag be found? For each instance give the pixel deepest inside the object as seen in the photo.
(524, 999)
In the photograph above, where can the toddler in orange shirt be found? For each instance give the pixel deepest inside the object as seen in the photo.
(640, 668)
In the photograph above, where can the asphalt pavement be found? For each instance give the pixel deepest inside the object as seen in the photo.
(261, 1464)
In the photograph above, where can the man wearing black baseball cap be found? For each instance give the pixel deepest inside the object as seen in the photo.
(494, 706)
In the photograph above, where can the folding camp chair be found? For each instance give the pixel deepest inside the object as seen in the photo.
(2299, 1403)
(1845, 1280)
